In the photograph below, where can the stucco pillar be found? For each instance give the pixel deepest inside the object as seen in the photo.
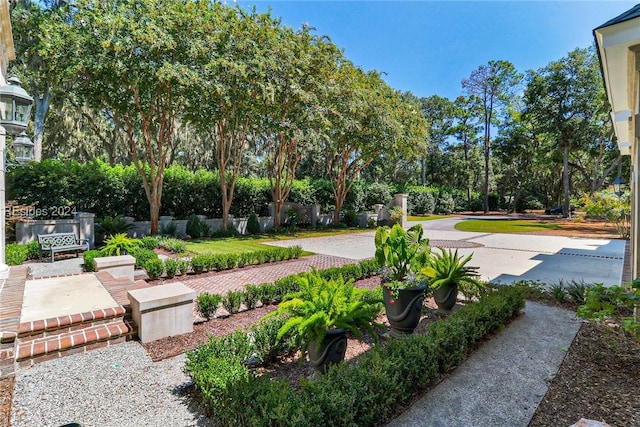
(86, 227)
(401, 200)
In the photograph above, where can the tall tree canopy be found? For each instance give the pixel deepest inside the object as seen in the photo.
(565, 101)
(494, 84)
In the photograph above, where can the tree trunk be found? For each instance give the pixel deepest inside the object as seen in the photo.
(226, 204)
(423, 171)
(42, 107)
(154, 204)
(566, 208)
(486, 175)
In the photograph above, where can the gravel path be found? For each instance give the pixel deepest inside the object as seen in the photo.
(114, 386)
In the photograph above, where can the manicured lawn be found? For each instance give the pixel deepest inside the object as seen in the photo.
(504, 226)
(227, 246)
(428, 217)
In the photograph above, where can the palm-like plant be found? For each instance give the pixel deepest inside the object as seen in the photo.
(449, 268)
(323, 304)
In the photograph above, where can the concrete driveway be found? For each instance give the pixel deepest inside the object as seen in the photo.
(501, 257)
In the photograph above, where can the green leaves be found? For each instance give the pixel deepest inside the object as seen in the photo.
(323, 304)
(448, 268)
(401, 250)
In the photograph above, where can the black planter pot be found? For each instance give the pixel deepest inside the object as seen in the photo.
(331, 350)
(404, 312)
(445, 297)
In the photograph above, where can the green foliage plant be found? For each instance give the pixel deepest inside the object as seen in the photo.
(142, 255)
(16, 253)
(183, 266)
(110, 226)
(169, 230)
(323, 304)
(395, 215)
(608, 206)
(196, 228)
(33, 249)
(400, 252)
(365, 393)
(251, 296)
(172, 244)
(208, 304)
(154, 268)
(119, 244)
(617, 304)
(232, 301)
(88, 257)
(449, 268)
(149, 242)
(171, 267)
(253, 224)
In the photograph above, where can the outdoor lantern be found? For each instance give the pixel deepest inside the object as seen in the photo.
(618, 185)
(23, 148)
(15, 107)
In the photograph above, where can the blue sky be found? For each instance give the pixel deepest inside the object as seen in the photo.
(428, 47)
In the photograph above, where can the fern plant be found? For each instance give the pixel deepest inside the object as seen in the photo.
(323, 304)
(119, 244)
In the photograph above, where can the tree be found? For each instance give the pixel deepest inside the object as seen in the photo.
(28, 21)
(466, 113)
(291, 113)
(367, 120)
(494, 84)
(225, 103)
(438, 112)
(133, 58)
(564, 100)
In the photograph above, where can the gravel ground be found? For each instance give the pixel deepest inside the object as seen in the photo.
(112, 383)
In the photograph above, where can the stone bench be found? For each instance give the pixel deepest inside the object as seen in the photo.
(117, 266)
(162, 311)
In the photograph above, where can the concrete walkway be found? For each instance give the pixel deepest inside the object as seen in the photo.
(501, 257)
(503, 381)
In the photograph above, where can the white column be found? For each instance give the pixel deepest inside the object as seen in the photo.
(4, 268)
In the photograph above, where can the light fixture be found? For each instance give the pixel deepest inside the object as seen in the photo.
(618, 185)
(15, 107)
(23, 148)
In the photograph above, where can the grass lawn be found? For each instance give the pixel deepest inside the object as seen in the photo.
(235, 245)
(504, 225)
(428, 217)
(255, 243)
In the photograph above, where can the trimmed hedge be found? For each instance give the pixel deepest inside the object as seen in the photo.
(217, 262)
(348, 394)
(18, 253)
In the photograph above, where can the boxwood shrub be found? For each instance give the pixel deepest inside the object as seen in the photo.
(363, 393)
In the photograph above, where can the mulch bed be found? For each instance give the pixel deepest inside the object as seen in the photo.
(598, 380)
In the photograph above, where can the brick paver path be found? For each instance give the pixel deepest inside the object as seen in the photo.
(223, 282)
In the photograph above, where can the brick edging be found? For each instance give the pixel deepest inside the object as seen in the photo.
(39, 326)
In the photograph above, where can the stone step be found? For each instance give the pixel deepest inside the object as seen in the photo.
(69, 323)
(32, 350)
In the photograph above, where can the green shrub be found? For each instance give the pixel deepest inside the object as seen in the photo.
(143, 255)
(251, 296)
(198, 263)
(446, 204)
(16, 253)
(208, 304)
(171, 267)
(172, 244)
(348, 394)
(232, 300)
(267, 293)
(149, 242)
(88, 257)
(196, 228)
(368, 268)
(33, 250)
(253, 224)
(154, 268)
(183, 266)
